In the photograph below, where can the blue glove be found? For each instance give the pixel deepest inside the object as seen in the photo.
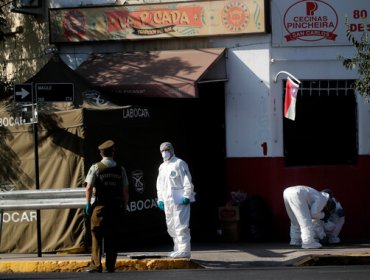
(88, 209)
(161, 205)
(185, 200)
(340, 213)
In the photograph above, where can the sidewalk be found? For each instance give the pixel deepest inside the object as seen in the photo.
(211, 256)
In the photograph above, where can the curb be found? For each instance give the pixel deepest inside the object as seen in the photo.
(326, 260)
(81, 265)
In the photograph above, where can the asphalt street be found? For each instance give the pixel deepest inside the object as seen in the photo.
(301, 273)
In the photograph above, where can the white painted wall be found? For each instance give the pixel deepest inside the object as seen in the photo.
(248, 102)
(253, 100)
(363, 126)
(254, 108)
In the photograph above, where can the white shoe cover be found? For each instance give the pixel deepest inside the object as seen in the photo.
(295, 242)
(180, 255)
(312, 245)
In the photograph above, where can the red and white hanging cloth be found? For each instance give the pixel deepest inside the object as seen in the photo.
(291, 91)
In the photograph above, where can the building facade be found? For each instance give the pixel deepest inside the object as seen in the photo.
(233, 133)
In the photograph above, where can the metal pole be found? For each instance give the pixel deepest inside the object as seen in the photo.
(38, 215)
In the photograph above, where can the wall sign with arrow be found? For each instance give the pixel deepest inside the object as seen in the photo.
(23, 93)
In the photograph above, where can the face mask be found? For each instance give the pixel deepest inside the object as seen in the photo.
(166, 155)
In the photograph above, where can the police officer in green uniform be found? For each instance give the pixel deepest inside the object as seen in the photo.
(108, 182)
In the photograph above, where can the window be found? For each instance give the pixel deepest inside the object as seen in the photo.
(325, 129)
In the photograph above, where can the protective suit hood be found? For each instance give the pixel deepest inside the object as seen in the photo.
(327, 195)
(167, 150)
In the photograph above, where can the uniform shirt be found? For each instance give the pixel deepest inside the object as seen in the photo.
(94, 172)
(174, 174)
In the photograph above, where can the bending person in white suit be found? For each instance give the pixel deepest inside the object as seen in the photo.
(303, 205)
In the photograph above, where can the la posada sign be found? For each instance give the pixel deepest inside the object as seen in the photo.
(170, 20)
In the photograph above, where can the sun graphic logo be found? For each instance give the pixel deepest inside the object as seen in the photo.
(235, 16)
(74, 24)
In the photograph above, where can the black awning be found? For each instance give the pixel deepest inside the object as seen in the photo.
(172, 73)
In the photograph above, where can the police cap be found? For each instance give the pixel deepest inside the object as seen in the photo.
(106, 145)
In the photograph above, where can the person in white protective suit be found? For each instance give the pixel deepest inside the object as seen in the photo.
(175, 191)
(332, 224)
(303, 205)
